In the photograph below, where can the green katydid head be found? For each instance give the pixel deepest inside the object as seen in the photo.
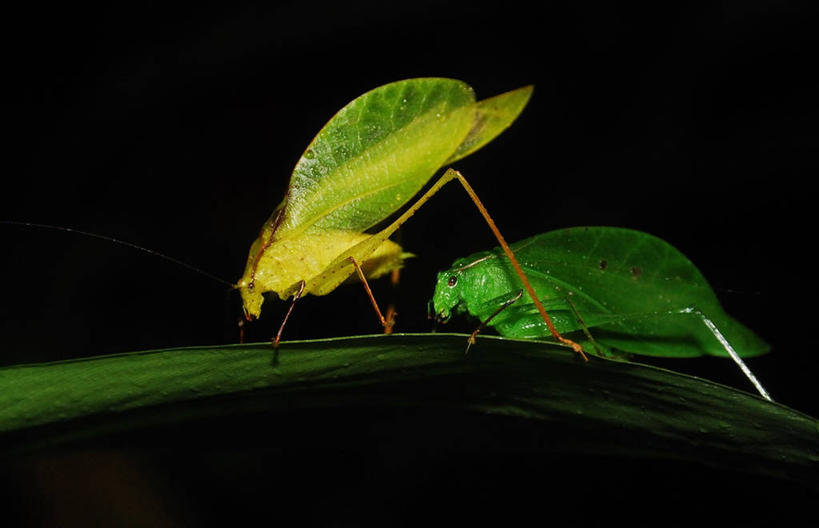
(470, 281)
(446, 296)
(456, 286)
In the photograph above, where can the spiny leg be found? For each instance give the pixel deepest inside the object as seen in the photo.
(386, 323)
(506, 304)
(287, 315)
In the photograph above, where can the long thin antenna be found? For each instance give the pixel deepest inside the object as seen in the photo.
(122, 243)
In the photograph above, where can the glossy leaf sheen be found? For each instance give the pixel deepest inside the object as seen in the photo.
(603, 406)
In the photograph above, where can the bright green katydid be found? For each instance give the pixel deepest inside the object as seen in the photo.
(372, 157)
(619, 288)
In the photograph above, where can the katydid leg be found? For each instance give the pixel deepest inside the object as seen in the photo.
(515, 264)
(339, 269)
(583, 326)
(386, 323)
(287, 315)
(504, 305)
(731, 352)
(395, 277)
(712, 328)
(719, 336)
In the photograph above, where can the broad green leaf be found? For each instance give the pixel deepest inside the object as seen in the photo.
(597, 404)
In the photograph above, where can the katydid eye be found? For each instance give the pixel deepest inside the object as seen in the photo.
(251, 285)
(453, 280)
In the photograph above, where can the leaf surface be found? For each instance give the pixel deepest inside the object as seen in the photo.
(603, 406)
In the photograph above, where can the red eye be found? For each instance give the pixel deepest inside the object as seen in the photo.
(453, 280)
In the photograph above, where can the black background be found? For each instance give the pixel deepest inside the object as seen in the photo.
(176, 129)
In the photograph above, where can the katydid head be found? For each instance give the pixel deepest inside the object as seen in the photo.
(252, 297)
(248, 285)
(458, 285)
(447, 295)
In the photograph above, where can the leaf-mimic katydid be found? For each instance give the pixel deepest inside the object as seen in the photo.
(368, 161)
(618, 288)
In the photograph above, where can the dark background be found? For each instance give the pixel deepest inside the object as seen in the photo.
(176, 129)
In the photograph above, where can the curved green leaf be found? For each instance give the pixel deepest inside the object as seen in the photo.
(598, 404)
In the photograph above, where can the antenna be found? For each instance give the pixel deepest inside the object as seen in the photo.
(122, 243)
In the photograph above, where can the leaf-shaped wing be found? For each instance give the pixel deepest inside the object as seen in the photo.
(492, 116)
(630, 273)
(376, 153)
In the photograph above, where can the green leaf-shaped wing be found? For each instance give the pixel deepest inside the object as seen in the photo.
(636, 291)
(380, 150)
(492, 116)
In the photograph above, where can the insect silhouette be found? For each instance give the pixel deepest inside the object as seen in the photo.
(366, 163)
(617, 289)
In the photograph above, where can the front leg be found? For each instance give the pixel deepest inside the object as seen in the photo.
(287, 315)
(504, 305)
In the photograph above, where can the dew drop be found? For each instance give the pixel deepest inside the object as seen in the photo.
(309, 154)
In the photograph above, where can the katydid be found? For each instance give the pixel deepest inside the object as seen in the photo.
(368, 161)
(619, 289)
